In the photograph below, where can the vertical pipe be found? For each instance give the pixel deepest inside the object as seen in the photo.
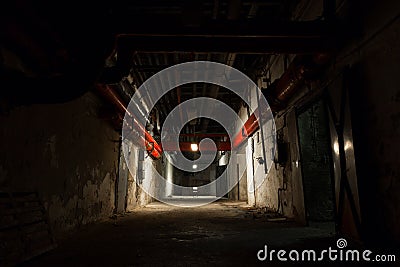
(238, 181)
(262, 132)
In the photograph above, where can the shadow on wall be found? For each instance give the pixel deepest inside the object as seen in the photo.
(66, 154)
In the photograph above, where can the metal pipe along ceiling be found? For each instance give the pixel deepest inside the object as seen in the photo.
(301, 68)
(278, 96)
(186, 146)
(284, 88)
(152, 147)
(249, 127)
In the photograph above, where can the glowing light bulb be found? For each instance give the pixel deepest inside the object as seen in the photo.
(194, 147)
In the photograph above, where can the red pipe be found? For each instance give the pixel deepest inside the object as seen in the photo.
(151, 145)
(205, 135)
(301, 69)
(293, 78)
(290, 81)
(249, 127)
(186, 146)
(139, 140)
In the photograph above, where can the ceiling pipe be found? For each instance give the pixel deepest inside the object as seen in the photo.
(205, 135)
(152, 147)
(139, 140)
(186, 146)
(301, 69)
(249, 127)
(282, 90)
(278, 95)
(143, 109)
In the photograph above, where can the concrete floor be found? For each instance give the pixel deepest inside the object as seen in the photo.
(219, 234)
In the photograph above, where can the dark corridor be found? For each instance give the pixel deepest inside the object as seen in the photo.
(305, 152)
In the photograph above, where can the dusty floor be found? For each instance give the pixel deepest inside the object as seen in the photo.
(219, 234)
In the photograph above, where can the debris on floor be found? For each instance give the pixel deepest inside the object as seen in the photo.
(217, 234)
(264, 213)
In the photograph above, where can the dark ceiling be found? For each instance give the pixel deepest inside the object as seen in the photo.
(54, 51)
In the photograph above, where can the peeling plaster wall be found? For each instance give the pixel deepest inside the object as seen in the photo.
(279, 177)
(265, 196)
(65, 153)
(131, 198)
(142, 197)
(136, 196)
(284, 178)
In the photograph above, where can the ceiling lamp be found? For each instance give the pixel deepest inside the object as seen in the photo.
(194, 147)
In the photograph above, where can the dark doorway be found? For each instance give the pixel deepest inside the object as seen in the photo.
(315, 157)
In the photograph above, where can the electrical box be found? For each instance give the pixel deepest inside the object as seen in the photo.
(283, 153)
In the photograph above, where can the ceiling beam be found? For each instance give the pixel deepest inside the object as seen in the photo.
(246, 38)
(255, 28)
